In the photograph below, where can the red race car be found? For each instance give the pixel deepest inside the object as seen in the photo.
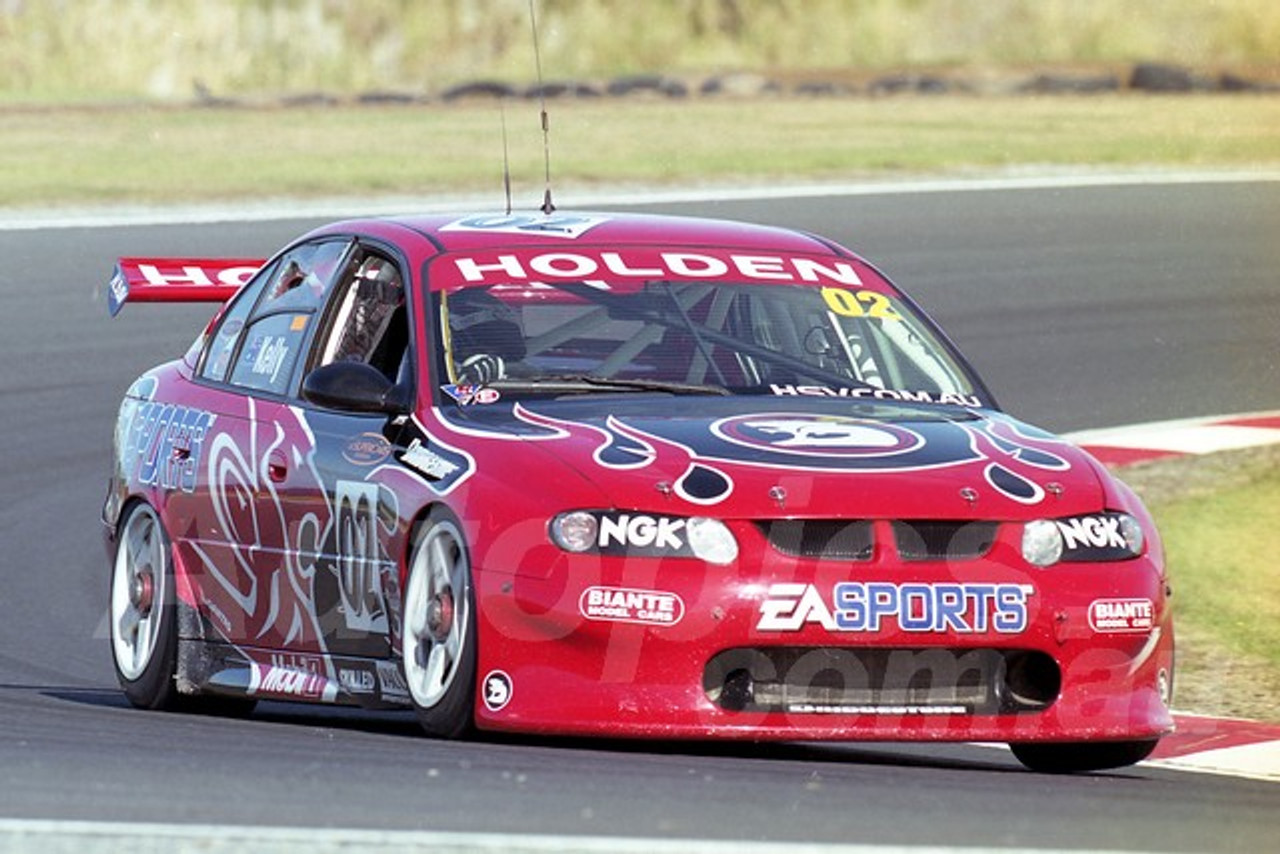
(617, 475)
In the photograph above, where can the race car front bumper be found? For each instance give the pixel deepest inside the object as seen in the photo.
(990, 649)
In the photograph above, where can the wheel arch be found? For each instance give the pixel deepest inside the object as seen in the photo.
(470, 528)
(451, 714)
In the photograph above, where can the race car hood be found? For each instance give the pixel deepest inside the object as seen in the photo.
(768, 458)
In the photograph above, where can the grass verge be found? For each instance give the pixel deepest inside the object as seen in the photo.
(112, 48)
(1218, 517)
(79, 156)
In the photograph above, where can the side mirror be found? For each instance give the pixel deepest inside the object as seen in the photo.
(354, 387)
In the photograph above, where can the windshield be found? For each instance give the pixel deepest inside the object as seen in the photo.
(694, 337)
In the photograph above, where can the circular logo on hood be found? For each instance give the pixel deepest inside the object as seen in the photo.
(811, 435)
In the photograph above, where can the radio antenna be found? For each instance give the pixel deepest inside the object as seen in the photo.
(506, 158)
(547, 206)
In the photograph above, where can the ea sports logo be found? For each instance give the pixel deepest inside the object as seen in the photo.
(817, 435)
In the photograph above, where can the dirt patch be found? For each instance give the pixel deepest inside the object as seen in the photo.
(1212, 678)
(1174, 479)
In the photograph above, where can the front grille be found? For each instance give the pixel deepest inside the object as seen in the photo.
(939, 540)
(881, 681)
(825, 539)
(846, 540)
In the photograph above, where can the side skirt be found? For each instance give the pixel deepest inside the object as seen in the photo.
(211, 667)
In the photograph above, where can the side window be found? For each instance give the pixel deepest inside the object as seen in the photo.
(223, 345)
(302, 277)
(269, 353)
(276, 331)
(368, 321)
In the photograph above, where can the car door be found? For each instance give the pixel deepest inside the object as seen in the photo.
(260, 510)
(356, 576)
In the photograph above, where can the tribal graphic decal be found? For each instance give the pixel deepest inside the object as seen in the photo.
(1009, 452)
(697, 456)
(623, 448)
(287, 568)
(250, 549)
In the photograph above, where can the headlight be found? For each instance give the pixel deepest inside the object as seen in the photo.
(575, 532)
(711, 540)
(1041, 543)
(1090, 538)
(1132, 533)
(642, 535)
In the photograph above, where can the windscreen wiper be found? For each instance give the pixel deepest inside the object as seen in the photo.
(577, 383)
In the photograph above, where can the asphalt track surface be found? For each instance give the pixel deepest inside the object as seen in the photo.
(1082, 308)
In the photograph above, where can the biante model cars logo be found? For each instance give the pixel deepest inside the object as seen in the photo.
(1121, 615)
(628, 605)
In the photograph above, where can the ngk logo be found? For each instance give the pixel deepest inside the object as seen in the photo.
(643, 532)
(1101, 532)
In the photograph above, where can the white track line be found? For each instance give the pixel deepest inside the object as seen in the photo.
(1184, 436)
(90, 837)
(1259, 761)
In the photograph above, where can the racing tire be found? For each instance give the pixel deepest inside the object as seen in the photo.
(438, 644)
(1074, 758)
(144, 636)
(144, 622)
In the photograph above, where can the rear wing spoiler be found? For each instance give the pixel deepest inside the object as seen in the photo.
(177, 280)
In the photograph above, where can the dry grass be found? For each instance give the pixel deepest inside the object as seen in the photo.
(93, 49)
(1217, 516)
(140, 154)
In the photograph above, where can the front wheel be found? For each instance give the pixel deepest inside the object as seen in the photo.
(144, 641)
(1083, 756)
(439, 639)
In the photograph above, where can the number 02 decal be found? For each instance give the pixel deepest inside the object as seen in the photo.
(859, 304)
